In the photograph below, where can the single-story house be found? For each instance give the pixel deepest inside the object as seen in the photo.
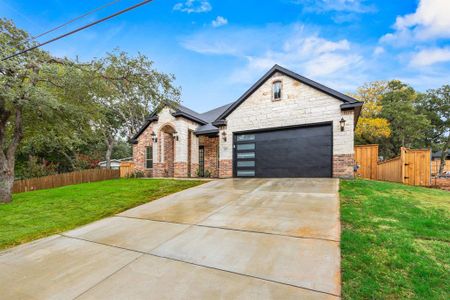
(285, 125)
(115, 163)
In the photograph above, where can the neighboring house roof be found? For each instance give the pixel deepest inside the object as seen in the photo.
(438, 154)
(210, 120)
(116, 160)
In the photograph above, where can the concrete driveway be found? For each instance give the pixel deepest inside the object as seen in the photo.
(226, 239)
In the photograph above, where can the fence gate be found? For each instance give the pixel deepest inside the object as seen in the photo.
(366, 157)
(412, 167)
(417, 167)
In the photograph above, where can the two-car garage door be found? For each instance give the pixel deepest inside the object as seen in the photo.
(304, 151)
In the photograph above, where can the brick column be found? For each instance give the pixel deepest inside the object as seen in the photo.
(225, 168)
(343, 166)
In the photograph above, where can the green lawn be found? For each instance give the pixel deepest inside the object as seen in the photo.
(395, 241)
(41, 213)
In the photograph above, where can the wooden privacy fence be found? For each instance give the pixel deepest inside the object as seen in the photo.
(412, 167)
(366, 157)
(435, 164)
(390, 170)
(126, 169)
(58, 180)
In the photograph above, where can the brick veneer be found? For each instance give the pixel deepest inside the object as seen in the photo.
(180, 170)
(210, 145)
(159, 170)
(343, 166)
(225, 168)
(139, 152)
(194, 168)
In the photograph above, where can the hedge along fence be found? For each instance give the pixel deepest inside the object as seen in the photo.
(412, 167)
(52, 181)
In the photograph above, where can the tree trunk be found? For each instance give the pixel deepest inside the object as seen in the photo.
(109, 148)
(444, 157)
(69, 159)
(6, 183)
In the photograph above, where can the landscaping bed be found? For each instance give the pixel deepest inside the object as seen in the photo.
(42, 213)
(395, 241)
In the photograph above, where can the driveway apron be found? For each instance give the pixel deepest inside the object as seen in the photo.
(226, 239)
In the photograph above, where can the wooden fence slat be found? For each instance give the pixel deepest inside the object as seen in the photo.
(366, 157)
(127, 168)
(64, 179)
(390, 170)
(435, 164)
(412, 167)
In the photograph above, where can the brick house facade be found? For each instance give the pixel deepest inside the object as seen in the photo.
(182, 143)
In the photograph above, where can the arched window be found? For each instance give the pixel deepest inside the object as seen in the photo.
(276, 90)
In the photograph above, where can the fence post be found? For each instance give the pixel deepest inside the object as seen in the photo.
(403, 164)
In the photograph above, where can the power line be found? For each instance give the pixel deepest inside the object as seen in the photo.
(78, 29)
(75, 19)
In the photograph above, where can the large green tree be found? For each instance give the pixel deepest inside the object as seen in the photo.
(125, 90)
(435, 105)
(29, 104)
(371, 127)
(408, 125)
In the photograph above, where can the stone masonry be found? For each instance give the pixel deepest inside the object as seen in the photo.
(300, 104)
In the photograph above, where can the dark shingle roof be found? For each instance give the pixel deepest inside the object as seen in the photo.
(438, 154)
(207, 129)
(212, 115)
(210, 120)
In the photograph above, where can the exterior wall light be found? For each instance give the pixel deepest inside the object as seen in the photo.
(342, 124)
(175, 136)
(224, 136)
(154, 138)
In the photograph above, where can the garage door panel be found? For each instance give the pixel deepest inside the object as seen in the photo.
(293, 152)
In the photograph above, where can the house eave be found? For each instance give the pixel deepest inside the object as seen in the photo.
(152, 118)
(220, 123)
(189, 117)
(211, 132)
(350, 106)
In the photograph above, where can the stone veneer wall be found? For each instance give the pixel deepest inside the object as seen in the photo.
(300, 104)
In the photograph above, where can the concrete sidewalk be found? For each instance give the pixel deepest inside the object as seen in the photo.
(226, 239)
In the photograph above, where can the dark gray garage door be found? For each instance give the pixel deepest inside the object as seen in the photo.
(289, 152)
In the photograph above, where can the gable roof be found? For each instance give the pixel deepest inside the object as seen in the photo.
(348, 102)
(204, 119)
(210, 120)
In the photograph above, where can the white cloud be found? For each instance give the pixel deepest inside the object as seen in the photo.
(355, 6)
(430, 21)
(378, 50)
(193, 6)
(219, 21)
(430, 56)
(294, 46)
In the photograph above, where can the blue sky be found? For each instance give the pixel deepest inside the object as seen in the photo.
(218, 49)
